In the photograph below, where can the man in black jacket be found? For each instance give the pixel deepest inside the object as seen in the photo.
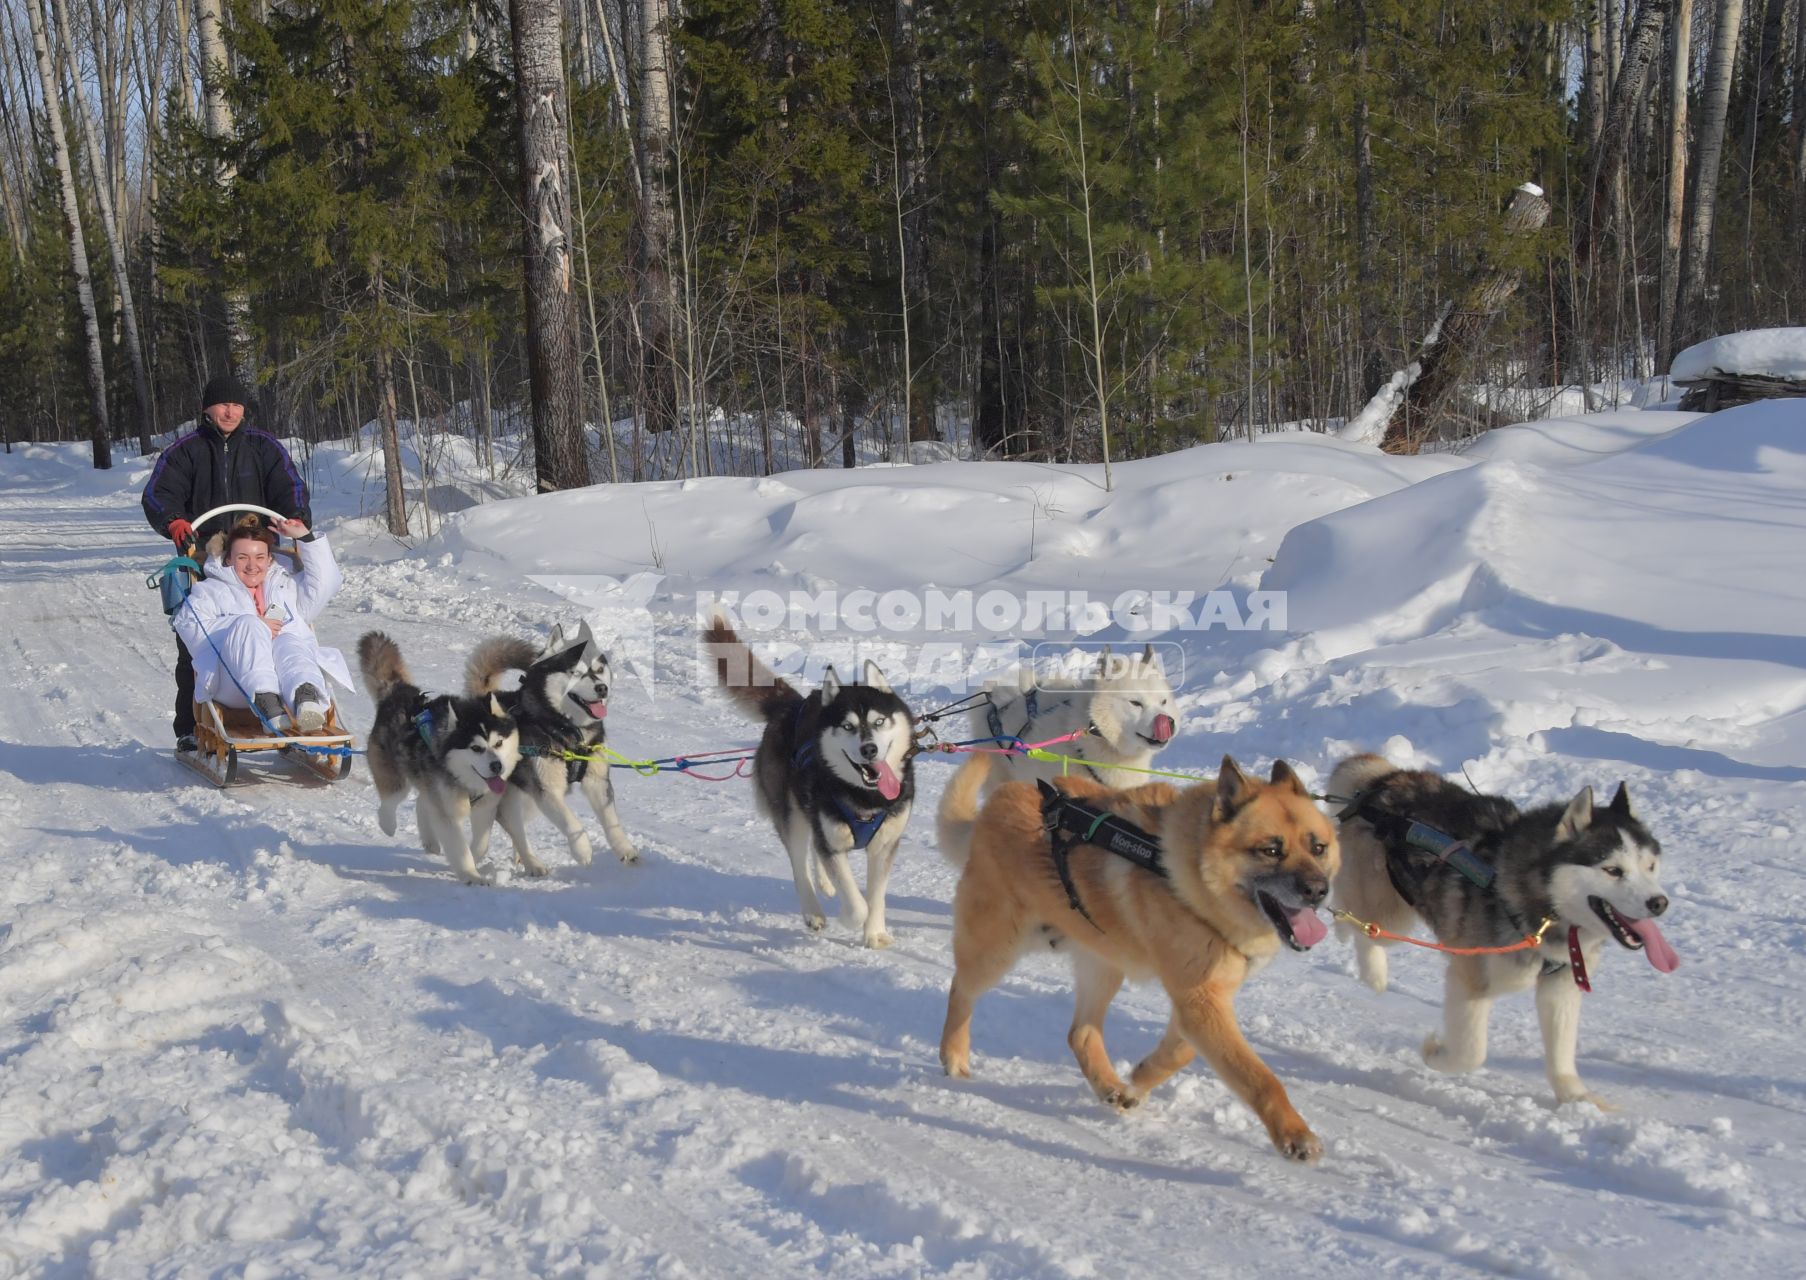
(219, 462)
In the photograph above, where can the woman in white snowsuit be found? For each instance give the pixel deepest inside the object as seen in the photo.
(249, 625)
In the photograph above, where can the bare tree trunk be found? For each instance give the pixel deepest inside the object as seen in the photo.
(213, 75)
(101, 433)
(554, 364)
(1614, 141)
(912, 216)
(1442, 362)
(122, 280)
(1715, 100)
(1372, 368)
(184, 64)
(1597, 77)
(1799, 129)
(394, 496)
(655, 287)
(13, 150)
(606, 423)
(1681, 42)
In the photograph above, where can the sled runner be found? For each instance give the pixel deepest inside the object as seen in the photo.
(223, 733)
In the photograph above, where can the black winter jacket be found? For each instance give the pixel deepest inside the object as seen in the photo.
(205, 469)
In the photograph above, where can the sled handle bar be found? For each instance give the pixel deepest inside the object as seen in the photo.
(237, 506)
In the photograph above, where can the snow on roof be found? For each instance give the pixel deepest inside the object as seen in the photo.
(1774, 353)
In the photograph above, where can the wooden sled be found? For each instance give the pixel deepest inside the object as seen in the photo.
(222, 734)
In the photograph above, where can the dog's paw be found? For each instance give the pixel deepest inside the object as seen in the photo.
(879, 941)
(957, 1067)
(532, 866)
(385, 818)
(474, 877)
(1440, 1057)
(815, 924)
(582, 851)
(1571, 1090)
(628, 855)
(1122, 1098)
(1297, 1142)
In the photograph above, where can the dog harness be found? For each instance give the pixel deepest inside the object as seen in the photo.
(863, 827)
(1415, 851)
(1031, 703)
(1070, 823)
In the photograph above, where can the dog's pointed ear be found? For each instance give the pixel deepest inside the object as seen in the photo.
(495, 706)
(555, 641)
(450, 721)
(830, 686)
(1577, 817)
(1621, 802)
(1285, 776)
(874, 678)
(1234, 789)
(586, 639)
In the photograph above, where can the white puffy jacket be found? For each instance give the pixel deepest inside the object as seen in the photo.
(296, 598)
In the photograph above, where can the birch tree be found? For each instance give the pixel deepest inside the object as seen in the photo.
(78, 253)
(547, 244)
(122, 280)
(655, 290)
(1715, 102)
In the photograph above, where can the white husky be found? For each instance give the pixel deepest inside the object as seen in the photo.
(1123, 706)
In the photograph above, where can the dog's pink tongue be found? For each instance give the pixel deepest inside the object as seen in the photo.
(890, 786)
(1655, 946)
(1163, 728)
(1307, 927)
(598, 709)
(497, 785)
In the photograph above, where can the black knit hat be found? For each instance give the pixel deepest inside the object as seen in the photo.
(224, 389)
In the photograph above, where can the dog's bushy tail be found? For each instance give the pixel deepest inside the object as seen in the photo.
(1355, 774)
(483, 673)
(379, 659)
(752, 684)
(958, 813)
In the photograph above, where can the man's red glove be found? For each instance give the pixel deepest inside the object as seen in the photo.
(181, 533)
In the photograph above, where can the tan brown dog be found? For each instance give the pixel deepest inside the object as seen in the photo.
(1246, 865)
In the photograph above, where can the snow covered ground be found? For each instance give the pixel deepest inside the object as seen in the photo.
(245, 1034)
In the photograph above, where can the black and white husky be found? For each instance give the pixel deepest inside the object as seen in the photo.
(456, 753)
(1416, 846)
(835, 772)
(561, 707)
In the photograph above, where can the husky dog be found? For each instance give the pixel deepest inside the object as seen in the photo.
(1594, 872)
(456, 752)
(1126, 702)
(560, 706)
(835, 772)
(1242, 866)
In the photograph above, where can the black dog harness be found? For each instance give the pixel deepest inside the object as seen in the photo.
(1070, 823)
(1415, 851)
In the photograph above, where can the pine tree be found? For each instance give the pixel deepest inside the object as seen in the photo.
(352, 114)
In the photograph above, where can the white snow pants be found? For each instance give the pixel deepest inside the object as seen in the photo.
(263, 662)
